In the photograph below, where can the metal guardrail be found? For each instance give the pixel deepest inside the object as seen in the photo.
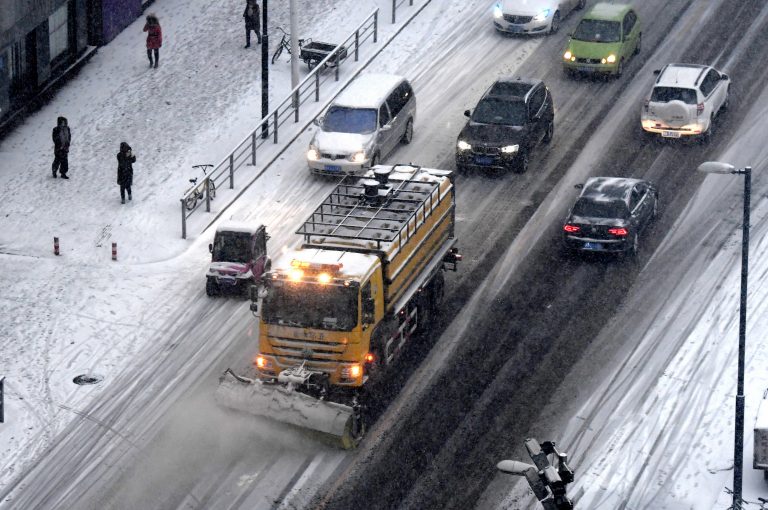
(269, 127)
(395, 5)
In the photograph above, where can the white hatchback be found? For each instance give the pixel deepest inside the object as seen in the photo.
(685, 101)
(532, 16)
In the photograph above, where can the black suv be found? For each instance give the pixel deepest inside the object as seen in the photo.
(512, 117)
(610, 214)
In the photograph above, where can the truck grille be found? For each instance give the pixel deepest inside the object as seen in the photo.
(311, 351)
(517, 20)
(588, 60)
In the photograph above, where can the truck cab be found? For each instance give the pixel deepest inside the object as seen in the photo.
(238, 258)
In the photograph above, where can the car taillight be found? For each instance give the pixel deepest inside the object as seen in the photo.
(571, 228)
(618, 231)
(699, 108)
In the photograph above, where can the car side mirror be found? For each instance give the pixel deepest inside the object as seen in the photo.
(467, 113)
(317, 121)
(385, 127)
(723, 76)
(579, 185)
(657, 72)
(210, 248)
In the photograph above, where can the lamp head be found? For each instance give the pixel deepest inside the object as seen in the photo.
(514, 467)
(716, 167)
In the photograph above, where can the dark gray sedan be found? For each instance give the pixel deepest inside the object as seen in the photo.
(609, 215)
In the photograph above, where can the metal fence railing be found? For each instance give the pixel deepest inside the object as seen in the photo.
(395, 5)
(268, 130)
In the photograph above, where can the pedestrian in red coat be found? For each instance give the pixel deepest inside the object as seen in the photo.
(154, 39)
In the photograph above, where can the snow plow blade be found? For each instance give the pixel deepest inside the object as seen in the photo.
(283, 404)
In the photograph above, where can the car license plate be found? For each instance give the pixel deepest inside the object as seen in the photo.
(593, 246)
(585, 69)
(483, 160)
(227, 280)
(670, 134)
(333, 168)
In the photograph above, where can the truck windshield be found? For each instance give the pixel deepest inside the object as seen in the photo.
(310, 305)
(349, 120)
(232, 247)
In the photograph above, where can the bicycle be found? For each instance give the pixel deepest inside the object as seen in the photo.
(285, 43)
(197, 190)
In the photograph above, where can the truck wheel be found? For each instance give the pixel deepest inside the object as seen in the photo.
(211, 288)
(429, 307)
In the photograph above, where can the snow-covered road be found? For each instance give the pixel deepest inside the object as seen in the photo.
(144, 324)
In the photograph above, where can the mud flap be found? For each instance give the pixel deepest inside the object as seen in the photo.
(283, 404)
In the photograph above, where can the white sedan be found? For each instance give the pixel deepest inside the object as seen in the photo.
(532, 16)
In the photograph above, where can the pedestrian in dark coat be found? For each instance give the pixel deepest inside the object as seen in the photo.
(61, 139)
(154, 39)
(125, 161)
(251, 16)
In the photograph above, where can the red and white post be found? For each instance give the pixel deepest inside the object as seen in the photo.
(55, 245)
(114, 251)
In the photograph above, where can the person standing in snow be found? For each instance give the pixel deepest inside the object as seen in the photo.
(154, 39)
(61, 138)
(251, 16)
(125, 161)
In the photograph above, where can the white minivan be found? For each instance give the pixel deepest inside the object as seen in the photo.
(362, 125)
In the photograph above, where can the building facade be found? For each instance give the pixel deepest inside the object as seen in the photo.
(41, 40)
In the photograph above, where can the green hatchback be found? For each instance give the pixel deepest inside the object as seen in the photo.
(606, 37)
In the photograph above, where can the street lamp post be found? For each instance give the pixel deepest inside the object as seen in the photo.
(738, 447)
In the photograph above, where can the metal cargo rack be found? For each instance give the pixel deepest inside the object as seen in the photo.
(392, 216)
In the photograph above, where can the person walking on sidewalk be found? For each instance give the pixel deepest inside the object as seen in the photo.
(154, 39)
(125, 161)
(61, 138)
(251, 16)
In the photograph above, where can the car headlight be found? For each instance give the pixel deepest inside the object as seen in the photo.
(357, 157)
(463, 146)
(497, 11)
(568, 55)
(542, 15)
(610, 59)
(313, 154)
(510, 149)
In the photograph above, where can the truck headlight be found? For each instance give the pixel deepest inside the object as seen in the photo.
(357, 157)
(263, 363)
(610, 59)
(510, 149)
(463, 146)
(542, 15)
(313, 154)
(351, 371)
(568, 55)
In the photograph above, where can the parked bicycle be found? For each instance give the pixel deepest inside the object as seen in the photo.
(285, 44)
(198, 190)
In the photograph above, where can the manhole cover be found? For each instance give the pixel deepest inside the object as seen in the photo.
(87, 379)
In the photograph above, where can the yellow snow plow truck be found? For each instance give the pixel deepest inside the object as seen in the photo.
(336, 311)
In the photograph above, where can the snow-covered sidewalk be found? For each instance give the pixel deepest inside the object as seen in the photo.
(81, 312)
